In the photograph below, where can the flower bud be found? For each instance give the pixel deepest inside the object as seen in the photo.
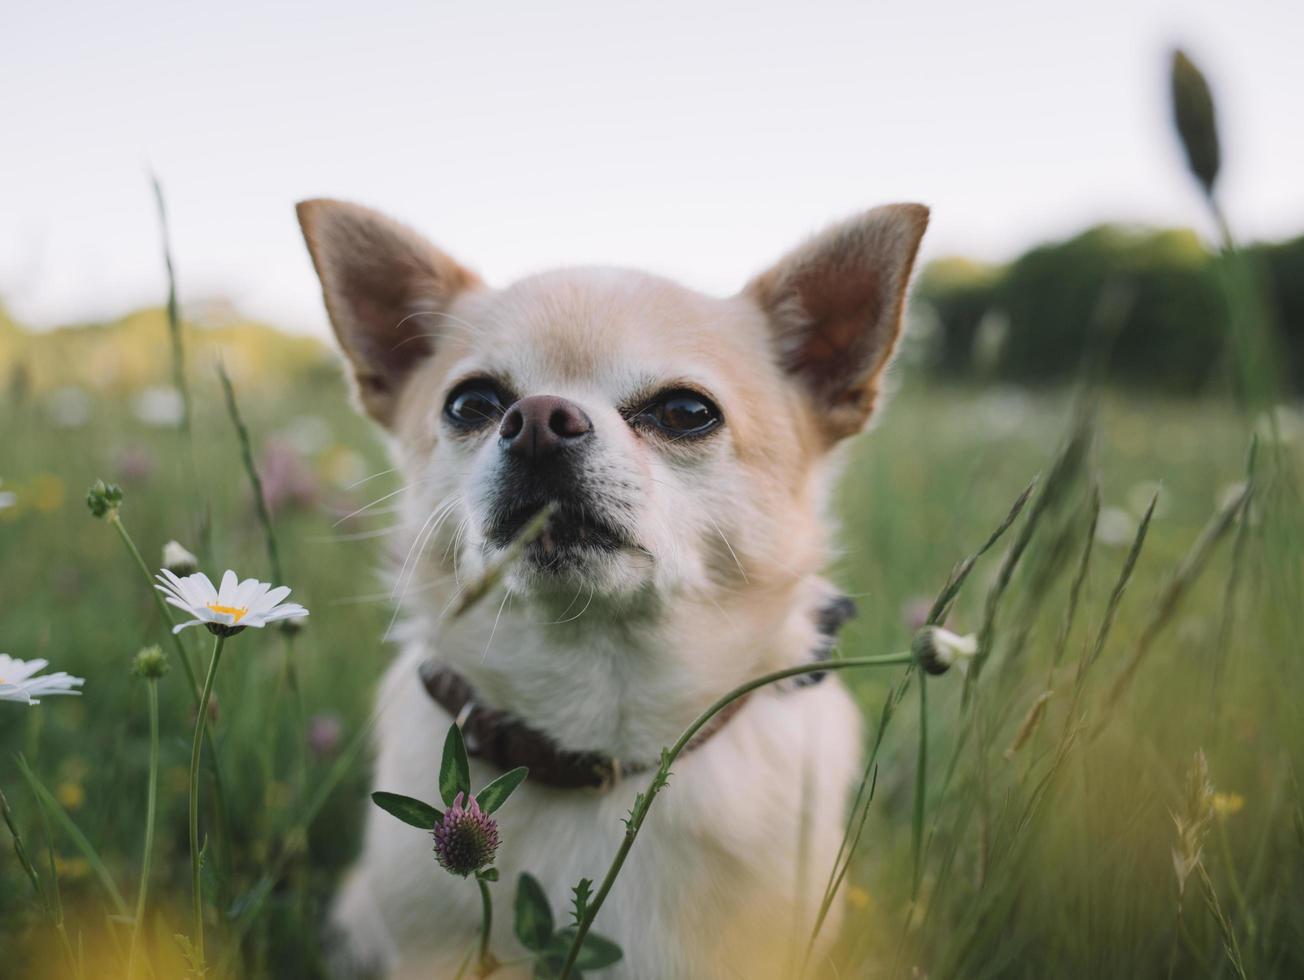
(150, 663)
(102, 499)
(936, 649)
(179, 561)
(1197, 124)
(466, 838)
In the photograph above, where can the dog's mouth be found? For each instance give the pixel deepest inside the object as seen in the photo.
(573, 533)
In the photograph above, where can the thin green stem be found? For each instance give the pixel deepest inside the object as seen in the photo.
(57, 907)
(166, 612)
(247, 457)
(21, 853)
(644, 800)
(116, 520)
(201, 725)
(921, 777)
(151, 801)
(53, 808)
(486, 925)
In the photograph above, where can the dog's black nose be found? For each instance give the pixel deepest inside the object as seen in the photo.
(539, 425)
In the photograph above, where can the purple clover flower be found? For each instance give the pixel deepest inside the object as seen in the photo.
(466, 838)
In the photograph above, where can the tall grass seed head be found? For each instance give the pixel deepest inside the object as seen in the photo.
(1192, 822)
(1197, 125)
(466, 838)
(103, 498)
(936, 649)
(150, 663)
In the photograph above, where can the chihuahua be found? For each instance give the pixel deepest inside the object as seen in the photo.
(686, 445)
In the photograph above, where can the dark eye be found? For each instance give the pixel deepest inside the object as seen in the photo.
(475, 403)
(682, 413)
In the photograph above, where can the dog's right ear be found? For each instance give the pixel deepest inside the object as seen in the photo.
(378, 277)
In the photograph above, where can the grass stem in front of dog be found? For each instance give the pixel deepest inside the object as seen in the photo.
(196, 864)
(643, 802)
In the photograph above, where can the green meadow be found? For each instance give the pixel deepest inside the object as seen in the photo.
(1053, 826)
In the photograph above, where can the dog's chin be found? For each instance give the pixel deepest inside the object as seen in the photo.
(577, 549)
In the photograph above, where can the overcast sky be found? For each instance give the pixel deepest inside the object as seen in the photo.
(695, 139)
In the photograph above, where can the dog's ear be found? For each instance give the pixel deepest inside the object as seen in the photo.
(378, 277)
(835, 307)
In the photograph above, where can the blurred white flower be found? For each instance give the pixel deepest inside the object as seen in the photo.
(1286, 421)
(160, 406)
(937, 649)
(308, 434)
(68, 407)
(1115, 527)
(7, 499)
(1002, 411)
(178, 560)
(231, 608)
(18, 681)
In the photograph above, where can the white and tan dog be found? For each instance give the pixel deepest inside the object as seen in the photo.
(688, 441)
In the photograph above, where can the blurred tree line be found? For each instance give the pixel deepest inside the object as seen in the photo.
(1032, 321)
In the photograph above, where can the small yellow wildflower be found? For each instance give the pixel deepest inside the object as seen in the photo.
(859, 898)
(46, 492)
(72, 868)
(70, 795)
(1226, 804)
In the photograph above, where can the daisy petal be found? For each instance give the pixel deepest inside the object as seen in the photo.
(203, 588)
(227, 590)
(274, 597)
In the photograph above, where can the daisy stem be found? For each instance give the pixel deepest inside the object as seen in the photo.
(201, 725)
(164, 611)
(116, 521)
(643, 802)
(151, 800)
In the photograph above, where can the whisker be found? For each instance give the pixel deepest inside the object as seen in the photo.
(368, 479)
(379, 500)
(593, 590)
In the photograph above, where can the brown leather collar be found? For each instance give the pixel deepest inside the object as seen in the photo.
(506, 742)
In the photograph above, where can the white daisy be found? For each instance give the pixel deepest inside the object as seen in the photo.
(19, 683)
(231, 608)
(177, 559)
(937, 649)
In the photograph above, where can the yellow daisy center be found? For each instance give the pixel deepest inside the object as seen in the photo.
(237, 612)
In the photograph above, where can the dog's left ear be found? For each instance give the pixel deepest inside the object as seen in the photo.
(380, 280)
(835, 307)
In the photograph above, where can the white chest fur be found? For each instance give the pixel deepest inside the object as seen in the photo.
(724, 879)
